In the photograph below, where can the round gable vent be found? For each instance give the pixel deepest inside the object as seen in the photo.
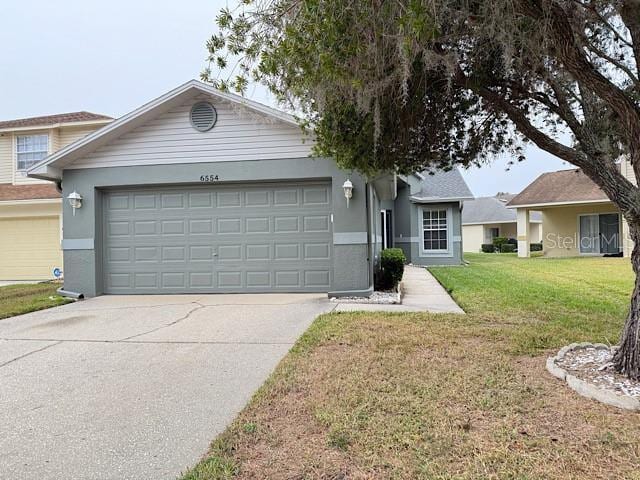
(203, 116)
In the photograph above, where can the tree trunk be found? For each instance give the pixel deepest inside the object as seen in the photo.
(627, 358)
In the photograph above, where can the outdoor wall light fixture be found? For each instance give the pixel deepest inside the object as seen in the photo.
(75, 200)
(347, 186)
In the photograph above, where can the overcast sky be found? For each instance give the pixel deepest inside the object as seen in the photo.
(111, 57)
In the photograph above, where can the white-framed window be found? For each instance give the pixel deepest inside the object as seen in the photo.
(31, 149)
(436, 230)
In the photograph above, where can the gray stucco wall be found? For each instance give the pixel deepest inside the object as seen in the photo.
(82, 242)
(408, 231)
(402, 221)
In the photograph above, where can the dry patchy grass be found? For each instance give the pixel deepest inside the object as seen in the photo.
(383, 396)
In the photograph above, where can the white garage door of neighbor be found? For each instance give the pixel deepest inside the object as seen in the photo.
(215, 238)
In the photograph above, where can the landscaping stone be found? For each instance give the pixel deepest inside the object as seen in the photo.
(384, 298)
(555, 370)
(587, 369)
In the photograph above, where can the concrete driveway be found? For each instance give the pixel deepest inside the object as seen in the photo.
(131, 387)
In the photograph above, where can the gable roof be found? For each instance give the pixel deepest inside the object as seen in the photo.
(48, 120)
(441, 185)
(51, 167)
(563, 186)
(492, 210)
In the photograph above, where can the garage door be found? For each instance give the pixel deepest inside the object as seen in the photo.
(259, 238)
(29, 248)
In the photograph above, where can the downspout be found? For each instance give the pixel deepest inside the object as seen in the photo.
(67, 293)
(369, 235)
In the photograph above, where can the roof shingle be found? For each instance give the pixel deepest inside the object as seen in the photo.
(43, 121)
(563, 186)
(491, 210)
(443, 185)
(10, 192)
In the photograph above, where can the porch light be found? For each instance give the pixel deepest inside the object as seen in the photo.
(347, 186)
(75, 200)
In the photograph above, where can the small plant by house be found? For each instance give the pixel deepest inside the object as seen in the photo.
(501, 245)
(392, 262)
(498, 242)
(508, 248)
(488, 248)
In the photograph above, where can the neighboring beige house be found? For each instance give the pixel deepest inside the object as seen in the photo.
(485, 218)
(30, 214)
(577, 217)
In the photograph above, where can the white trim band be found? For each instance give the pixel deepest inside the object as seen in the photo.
(350, 238)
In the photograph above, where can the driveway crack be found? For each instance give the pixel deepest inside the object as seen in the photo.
(198, 306)
(29, 353)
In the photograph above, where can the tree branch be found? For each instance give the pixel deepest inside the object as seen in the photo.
(560, 109)
(574, 60)
(605, 174)
(614, 62)
(591, 9)
(630, 14)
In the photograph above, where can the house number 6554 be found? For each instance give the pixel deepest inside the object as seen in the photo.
(209, 178)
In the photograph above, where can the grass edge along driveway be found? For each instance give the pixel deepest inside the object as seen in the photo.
(24, 298)
(378, 395)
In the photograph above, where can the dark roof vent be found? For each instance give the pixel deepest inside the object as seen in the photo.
(203, 116)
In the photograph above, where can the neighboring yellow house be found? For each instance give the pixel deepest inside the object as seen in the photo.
(577, 217)
(30, 210)
(485, 218)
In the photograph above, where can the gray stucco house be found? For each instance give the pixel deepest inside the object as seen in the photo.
(200, 191)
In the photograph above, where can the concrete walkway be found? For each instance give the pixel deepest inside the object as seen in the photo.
(422, 293)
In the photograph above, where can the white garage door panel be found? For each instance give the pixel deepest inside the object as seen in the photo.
(218, 238)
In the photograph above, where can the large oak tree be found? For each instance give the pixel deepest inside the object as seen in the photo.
(404, 85)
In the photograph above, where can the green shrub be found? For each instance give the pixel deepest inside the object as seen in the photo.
(512, 241)
(487, 248)
(535, 247)
(498, 242)
(392, 262)
(507, 248)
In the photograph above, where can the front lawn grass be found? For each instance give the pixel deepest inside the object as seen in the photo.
(422, 396)
(552, 301)
(25, 298)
